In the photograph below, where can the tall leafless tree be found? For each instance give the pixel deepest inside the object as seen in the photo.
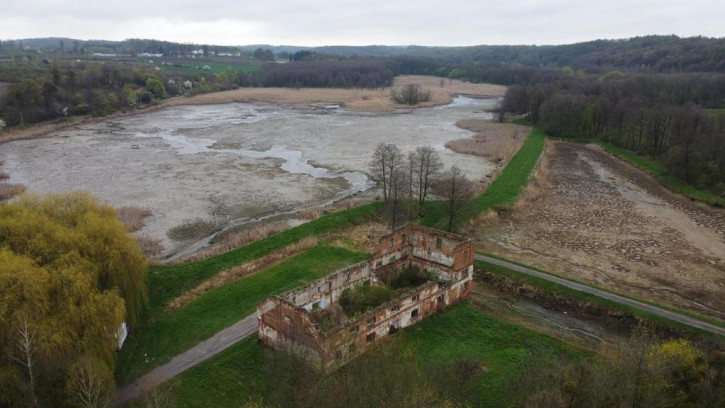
(457, 192)
(90, 384)
(385, 166)
(25, 342)
(425, 166)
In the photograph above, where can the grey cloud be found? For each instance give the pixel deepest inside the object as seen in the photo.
(356, 22)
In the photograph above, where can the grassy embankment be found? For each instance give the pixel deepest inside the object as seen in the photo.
(555, 287)
(169, 335)
(503, 190)
(460, 332)
(660, 173)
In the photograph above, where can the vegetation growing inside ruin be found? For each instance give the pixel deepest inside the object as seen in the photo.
(362, 298)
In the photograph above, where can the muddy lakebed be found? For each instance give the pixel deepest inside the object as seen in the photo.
(221, 166)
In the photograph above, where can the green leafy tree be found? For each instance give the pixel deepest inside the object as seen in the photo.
(156, 87)
(69, 276)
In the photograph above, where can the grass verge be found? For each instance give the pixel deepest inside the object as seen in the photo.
(459, 332)
(168, 335)
(555, 287)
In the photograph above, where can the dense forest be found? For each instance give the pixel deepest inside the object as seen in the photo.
(339, 74)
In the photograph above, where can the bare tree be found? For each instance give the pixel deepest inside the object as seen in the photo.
(157, 397)
(411, 94)
(387, 162)
(457, 192)
(25, 342)
(425, 165)
(90, 384)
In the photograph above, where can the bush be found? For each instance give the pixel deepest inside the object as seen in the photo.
(411, 94)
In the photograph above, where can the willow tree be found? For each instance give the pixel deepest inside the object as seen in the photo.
(52, 228)
(69, 276)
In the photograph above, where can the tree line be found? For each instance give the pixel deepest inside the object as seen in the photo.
(676, 119)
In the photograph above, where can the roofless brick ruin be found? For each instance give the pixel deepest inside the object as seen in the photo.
(415, 272)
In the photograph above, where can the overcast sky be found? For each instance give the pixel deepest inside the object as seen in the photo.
(360, 22)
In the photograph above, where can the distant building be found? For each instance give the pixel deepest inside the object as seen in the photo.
(310, 322)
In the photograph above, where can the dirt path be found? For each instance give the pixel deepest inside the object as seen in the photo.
(184, 361)
(677, 317)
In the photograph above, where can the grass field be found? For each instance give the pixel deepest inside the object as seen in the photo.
(460, 332)
(505, 188)
(168, 335)
(214, 68)
(660, 173)
(551, 286)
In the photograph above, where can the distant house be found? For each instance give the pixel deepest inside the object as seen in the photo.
(188, 84)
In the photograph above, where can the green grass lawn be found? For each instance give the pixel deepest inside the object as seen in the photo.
(162, 338)
(460, 332)
(660, 173)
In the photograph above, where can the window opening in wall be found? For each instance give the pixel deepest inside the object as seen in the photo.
(441, 300)
(391, 242)
(415, 298)
(316, 305)
(370, 337)
(439, 242)
(395, 307)
(371, 320)
(414, 313)
(394, 327)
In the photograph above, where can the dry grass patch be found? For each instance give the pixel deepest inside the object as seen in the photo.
(234, 240)
(497, 142)
(312, 213)
(151, 247)
(8, 191)
(539, 183)
(133, 217)
(238, 272)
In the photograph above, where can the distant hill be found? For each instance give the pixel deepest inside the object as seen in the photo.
(648, 53)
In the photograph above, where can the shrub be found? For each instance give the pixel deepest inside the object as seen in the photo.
(411, 94)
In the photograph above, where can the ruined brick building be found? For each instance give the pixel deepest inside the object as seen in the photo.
(310, 322)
